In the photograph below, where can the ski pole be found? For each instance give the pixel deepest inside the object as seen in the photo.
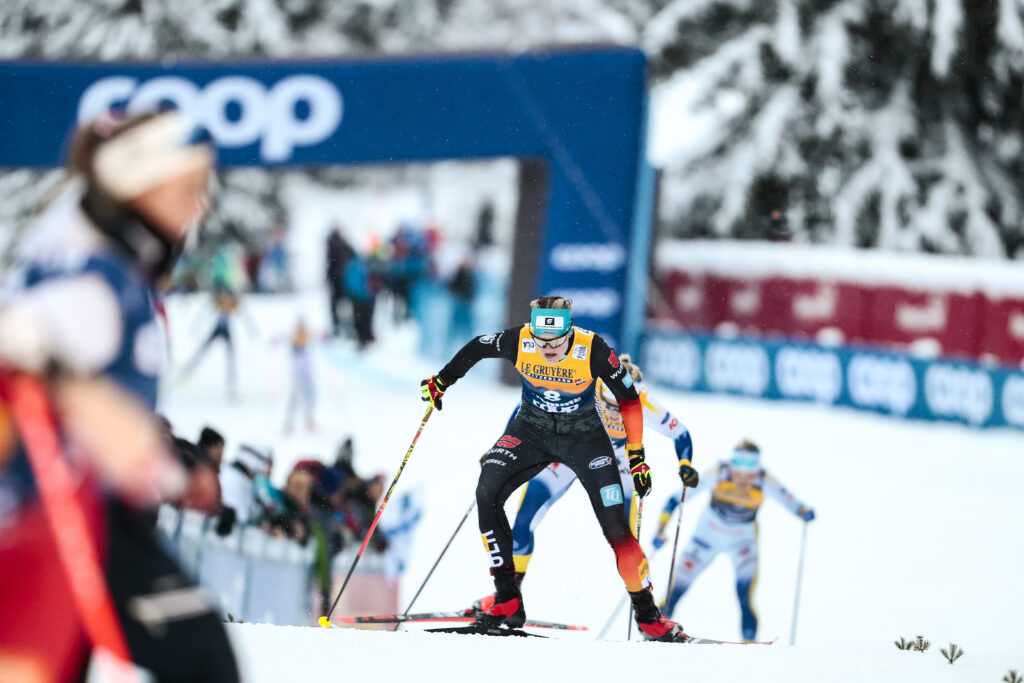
(325, 620)
(76, 549)
(611, 619)
(799, 581)
(639, 521)
(437, 562)
(618, 608)
(675, 547)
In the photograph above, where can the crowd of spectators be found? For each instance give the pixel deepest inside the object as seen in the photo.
(356, 278)
(330, 504)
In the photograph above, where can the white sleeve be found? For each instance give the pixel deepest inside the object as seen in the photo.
(774, 489)
(664, 422)
(660, 420)
(75, 322)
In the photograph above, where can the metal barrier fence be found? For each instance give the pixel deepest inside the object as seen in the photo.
(254, 577)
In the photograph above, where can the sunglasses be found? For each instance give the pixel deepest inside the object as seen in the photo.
(557, 341)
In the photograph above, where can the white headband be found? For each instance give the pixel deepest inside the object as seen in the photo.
(148, 156)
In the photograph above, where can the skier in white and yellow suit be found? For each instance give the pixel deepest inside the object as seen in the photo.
(729, 525)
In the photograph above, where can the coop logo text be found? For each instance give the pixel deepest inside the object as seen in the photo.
(296, 111)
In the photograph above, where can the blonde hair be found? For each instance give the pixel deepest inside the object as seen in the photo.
(551, 301)
(747, 445)
(631, 367)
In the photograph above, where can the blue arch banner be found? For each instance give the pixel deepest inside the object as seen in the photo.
(581, 111)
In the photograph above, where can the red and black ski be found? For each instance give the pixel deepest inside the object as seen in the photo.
(456, 617)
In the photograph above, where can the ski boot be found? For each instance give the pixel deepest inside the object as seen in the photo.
(508, 613)
(480, 605)
(663, 630)
(652, 623)
(485, 602)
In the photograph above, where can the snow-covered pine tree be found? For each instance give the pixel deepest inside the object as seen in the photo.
(873, 123)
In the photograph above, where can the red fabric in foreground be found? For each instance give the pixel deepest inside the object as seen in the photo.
(41, 638)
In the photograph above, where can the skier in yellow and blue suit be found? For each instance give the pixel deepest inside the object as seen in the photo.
(738, 488)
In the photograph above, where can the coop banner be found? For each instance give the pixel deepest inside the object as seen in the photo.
(578, 110)
(884, 382)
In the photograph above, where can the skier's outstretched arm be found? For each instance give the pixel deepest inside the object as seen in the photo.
(664, 422)
(499, 345)
(775, 490)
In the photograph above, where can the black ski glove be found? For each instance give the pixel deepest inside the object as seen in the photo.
(688, 474)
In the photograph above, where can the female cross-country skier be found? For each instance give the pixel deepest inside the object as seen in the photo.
(558, 422)
(544, 490)
(81, 316)
(729, 525)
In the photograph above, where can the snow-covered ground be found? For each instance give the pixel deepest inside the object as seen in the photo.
(918, 529)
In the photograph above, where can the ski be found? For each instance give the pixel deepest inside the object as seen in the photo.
(460, 616)
(712, 641)
(486, 631)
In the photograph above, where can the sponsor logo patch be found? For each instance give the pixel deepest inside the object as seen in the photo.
(488, 338)
(627, 381)
(611, 495)
(509, 441)
(613, 359)
(579, 352)
(491, 543)
(600, 462)
(528, 346)
(580, 381)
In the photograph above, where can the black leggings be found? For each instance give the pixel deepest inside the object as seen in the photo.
(169, 631)
(530, 444)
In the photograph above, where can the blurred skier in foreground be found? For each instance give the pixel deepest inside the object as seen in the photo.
(544, 490)
(729, 525)
(81, 317)
(558, 422)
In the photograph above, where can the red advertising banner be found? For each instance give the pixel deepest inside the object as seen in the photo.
(954, 323)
